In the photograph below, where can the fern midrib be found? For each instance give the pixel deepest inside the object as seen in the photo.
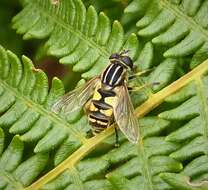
(159, 97)
(76, 32)
(70, 162)
(52, 117)
(181, 15)
(146, 107)
(203, 107)
(10, 179)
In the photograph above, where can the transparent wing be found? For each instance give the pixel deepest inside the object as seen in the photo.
(124, 115)
(75, 99)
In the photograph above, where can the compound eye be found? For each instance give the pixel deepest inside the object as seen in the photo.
(114, 56)
(127, 60)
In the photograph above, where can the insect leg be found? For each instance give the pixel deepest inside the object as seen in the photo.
(117, 141)
(139, 74)
(143, 86)
(89, 133)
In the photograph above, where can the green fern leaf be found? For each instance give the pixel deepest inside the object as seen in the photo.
(45, 144)
(77, 36)
(192, 134)
(182, 182)
(50, 151)
(180, 26)
(25, 111)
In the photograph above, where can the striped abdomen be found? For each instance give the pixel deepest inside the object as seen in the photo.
(100, 111)
(113, 75)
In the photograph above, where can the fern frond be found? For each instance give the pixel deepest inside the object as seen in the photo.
(173, 142)
(193, 108)
(26, 113)
(77, 36)
(140, 165)
(26, 101)
(14, 169)
(180, 181)
(87, 41)
(180, 26)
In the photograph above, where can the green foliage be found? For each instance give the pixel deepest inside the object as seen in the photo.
(25, 104)
(35, 142)
(77, 36)
(178, 26)
(27, 113)
(8, 37)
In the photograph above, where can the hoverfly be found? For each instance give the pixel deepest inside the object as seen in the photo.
(106, 99)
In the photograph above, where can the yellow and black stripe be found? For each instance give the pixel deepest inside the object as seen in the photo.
(113, 74)
(100, 112)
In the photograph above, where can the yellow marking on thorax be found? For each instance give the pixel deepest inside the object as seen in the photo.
(96, 95)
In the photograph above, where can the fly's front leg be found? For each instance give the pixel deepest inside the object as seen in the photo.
(138, 88)
(140, 73)
(134, 76)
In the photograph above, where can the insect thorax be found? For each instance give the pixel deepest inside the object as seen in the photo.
(114, 75)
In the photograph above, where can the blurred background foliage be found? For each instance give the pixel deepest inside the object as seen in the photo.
(8, 36)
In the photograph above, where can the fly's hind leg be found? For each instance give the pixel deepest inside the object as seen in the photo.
(89, 133)
(117, 138)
